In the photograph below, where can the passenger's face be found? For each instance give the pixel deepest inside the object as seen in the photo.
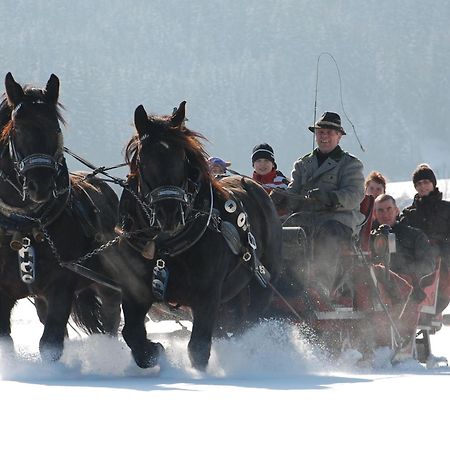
(374, 189)
(327, 139)
(386, 212)
(216, 169)
(424, 187)
(263, 166)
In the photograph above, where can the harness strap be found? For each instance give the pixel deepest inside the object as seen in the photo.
(102, 169)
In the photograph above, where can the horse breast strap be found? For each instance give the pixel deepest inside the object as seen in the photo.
(235, 229)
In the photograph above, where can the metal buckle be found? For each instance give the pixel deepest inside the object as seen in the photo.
(246, 256)
(251, 240)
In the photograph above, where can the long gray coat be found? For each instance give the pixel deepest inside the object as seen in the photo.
(342, 174)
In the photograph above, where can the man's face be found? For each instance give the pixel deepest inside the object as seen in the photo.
(374, 189)
(327, 139)
(386, 212)
(424, 187)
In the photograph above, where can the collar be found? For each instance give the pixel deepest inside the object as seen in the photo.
(433, 197)
(336, 154)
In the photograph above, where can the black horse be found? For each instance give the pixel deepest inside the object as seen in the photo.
(48, 221)
(190, 239)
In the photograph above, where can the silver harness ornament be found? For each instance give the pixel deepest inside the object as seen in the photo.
(27, 260)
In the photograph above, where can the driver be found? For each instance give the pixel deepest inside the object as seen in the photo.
(332, 181)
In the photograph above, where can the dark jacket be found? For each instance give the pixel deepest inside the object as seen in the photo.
(431, 214)
(414, 254)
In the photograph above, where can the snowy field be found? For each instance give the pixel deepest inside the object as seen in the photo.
(266, 390)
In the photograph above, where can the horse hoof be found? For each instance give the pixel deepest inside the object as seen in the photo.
(199, 359)
(200, 366)
(6, 346)
(199, 353)
(51, 353)
(150, 356)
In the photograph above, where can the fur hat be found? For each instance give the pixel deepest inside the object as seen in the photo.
(424, 172)
(263, 151)
(330, 120)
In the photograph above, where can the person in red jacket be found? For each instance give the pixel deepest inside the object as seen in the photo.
(265, 168)
(374, 185)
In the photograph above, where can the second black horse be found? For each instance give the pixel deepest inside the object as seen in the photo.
(190, 239)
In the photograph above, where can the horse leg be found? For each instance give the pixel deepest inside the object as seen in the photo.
(59, 304)
(232, 314)
(6, 341)
(260, 300)
(204, 313)
(110, 310)
(41, 309)
(145, 352)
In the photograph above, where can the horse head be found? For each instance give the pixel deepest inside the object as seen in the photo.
(170, 163)
(34, 138)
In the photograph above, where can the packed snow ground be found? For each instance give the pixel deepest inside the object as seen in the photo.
(268, 389)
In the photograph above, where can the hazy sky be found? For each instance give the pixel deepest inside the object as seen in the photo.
(248, 71)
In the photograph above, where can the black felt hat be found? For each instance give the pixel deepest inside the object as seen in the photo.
(330, 120)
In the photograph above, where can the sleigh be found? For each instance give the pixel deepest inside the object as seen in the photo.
(369, 307)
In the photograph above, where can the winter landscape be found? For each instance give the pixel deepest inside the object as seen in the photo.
(268, 389)
(248, 72)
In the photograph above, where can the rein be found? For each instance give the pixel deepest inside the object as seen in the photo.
(96, 170)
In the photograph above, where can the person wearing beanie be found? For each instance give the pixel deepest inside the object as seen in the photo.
(265, 169)
(332, 182)
(431, 214)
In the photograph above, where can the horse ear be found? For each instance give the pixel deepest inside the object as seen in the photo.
(14, 91)
(179, 115)
(52, 89)
(140, 120)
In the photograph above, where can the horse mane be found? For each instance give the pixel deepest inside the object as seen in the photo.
(174, 136)
(5, 118)
(32, 94)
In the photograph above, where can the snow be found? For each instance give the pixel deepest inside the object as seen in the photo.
(267, 389)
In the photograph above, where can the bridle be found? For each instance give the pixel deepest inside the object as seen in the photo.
(185, 195)
(23, 164)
